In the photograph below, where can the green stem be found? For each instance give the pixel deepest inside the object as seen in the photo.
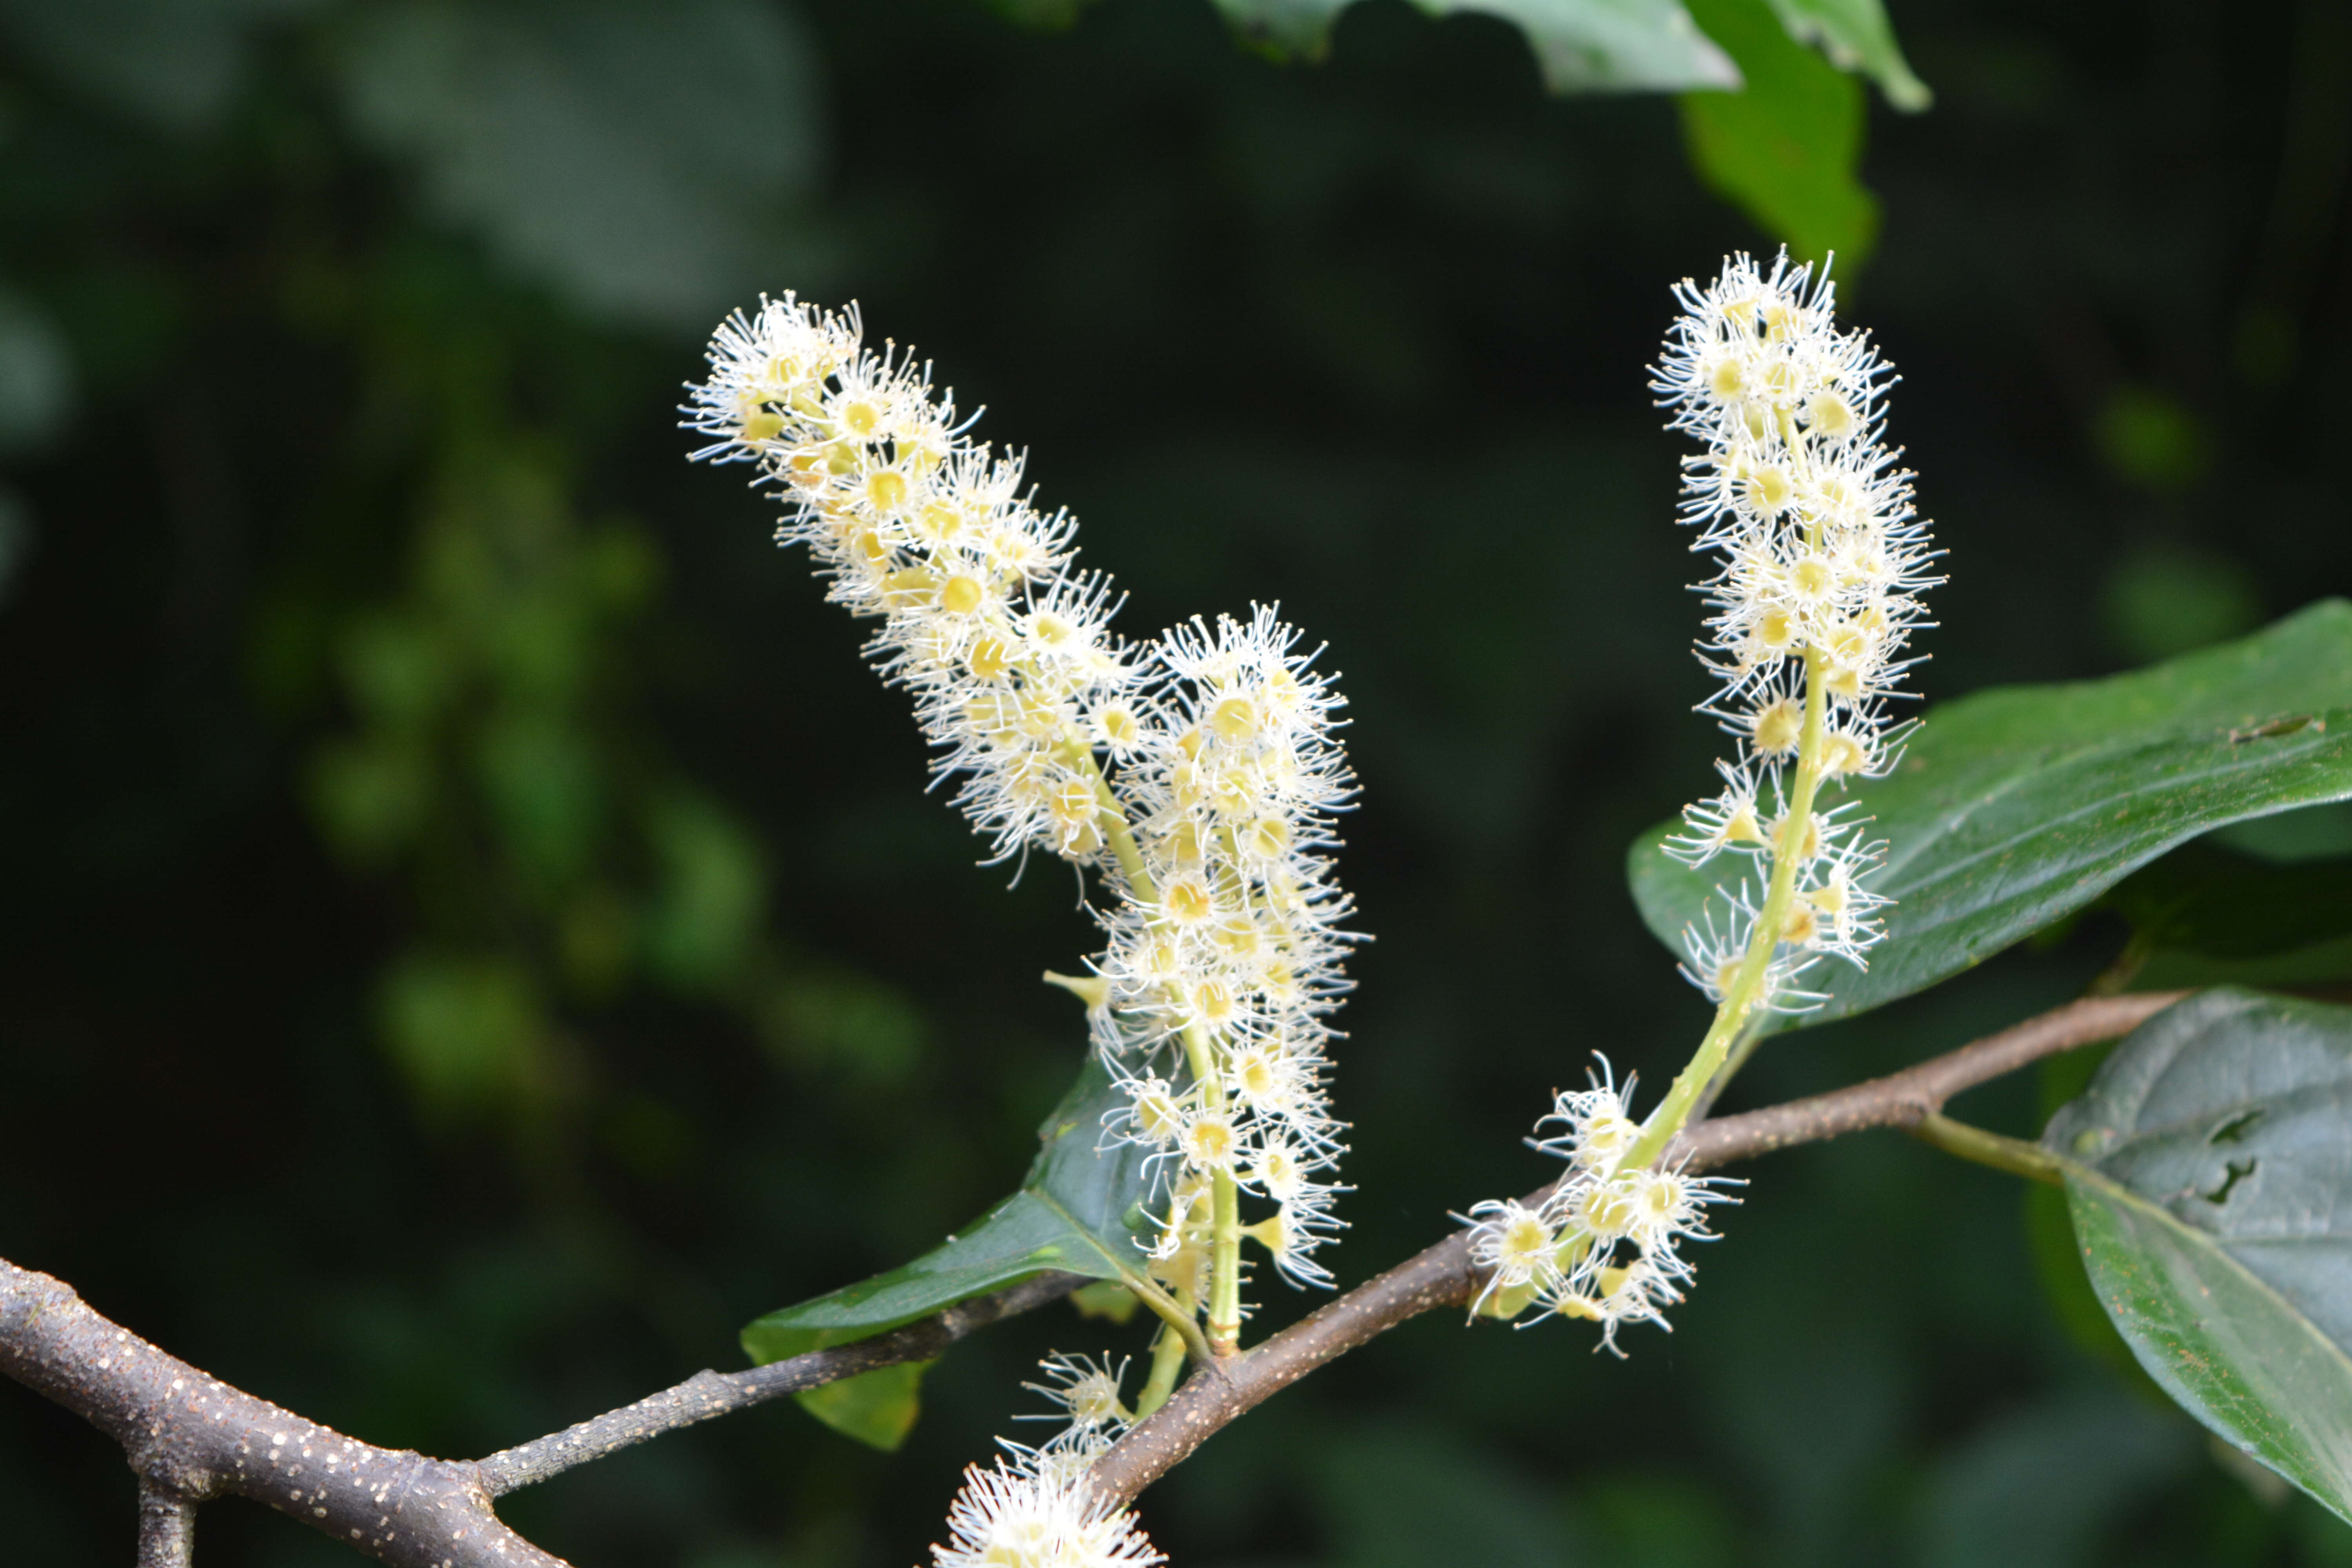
(1112, 818)
(1224, 1206)
(1751, 1036)
(1225, 1266)
(1199, 1050)
(1177, 1316)
(2014, 1155)
(1167, 1361)
(1746, 987)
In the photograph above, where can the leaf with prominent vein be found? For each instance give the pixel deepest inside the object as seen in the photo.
(2214, 1205)
(2015, 808)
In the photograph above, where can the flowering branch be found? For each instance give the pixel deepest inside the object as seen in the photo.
(190, 1436)
(1448, 1274)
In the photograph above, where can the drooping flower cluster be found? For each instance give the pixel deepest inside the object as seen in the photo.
(1198, 772)
(1822, 561)
(1605, 1241)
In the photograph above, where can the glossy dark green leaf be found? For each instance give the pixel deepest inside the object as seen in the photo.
(2212, 1201)
(1078, 1212)
(2015, 807)
(1786, 148)
(1581, 45)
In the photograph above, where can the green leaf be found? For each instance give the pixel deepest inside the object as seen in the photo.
(1079, 1211)
(1104, 1299)
(1581, 45)
(878, 1408)
(1856, 35)
(1786, 149)
(624, 153)
(2214, 1209)
(1599, 46)
(2015, 807)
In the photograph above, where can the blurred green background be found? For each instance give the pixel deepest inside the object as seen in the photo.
(476, 935)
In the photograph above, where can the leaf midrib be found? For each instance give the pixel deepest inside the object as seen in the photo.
(2120, 1194)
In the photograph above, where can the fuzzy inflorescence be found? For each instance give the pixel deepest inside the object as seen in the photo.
(1197, 771)
(1819, 565)
(1819, 561)
(1197, 774)
(1032, 1510)
(1604, 1242)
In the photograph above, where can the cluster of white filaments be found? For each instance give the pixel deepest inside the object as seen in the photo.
(1227, 969)
(1031, 1509)
(1604, 1241)
(1197, 774)
(1822, 561)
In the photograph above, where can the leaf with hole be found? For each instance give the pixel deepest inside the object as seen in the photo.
(1080, 1211)
(2015, 807)
(2212, 1202)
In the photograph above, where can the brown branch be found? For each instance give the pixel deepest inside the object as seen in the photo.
(190, 1436)
(1445, 1276)
(1904, 1099)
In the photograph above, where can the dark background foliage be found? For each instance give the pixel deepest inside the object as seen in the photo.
(476, 936)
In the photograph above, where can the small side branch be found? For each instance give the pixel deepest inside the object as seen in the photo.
(712, 1394)
(190, 1435)
(1445, 1275)
(2014, 1155)
(167, 1528)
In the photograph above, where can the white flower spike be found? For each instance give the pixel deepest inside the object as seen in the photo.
(1818, 565)
(1198, 775)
